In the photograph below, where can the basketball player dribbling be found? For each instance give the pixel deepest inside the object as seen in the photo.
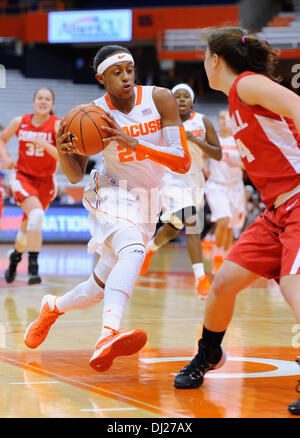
(146, 134)
(32, 180)
(266, 124)
(183, 195)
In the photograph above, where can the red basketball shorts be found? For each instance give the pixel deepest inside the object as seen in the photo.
(270, 246)
(24, 186)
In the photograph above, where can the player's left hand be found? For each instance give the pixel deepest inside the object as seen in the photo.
(40, 141)
(117, 134)
(7, 163)
(63, 142)
(189, 135)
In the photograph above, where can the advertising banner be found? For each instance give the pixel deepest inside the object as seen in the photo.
(90, 26)
(61, 224)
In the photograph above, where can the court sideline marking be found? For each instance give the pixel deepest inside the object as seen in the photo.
(104, 392)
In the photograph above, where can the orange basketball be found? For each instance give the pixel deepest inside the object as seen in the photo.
(84, 123)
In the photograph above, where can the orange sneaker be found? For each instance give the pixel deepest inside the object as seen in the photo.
(117, 344)
(147, 261)
(203, 286)
(217, 262)
(38, 330)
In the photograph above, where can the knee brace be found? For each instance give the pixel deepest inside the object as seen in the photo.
(129, 248)
(35, 219)
(125, 237)
(102, 270)
(93, 291)
(125, 272)
(135, 252)
(83, 296)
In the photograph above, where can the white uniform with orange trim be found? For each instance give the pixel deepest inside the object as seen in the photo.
(126, 189)
(224, 188)
(185, 190)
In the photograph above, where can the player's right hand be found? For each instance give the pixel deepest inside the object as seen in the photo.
(63, 141)
(8, 163)
(117, 134)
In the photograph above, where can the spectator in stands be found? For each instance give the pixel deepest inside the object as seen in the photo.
(32, 180)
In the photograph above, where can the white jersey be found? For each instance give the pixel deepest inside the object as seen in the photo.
(222, 172)
(125, 191)
(143, 121)
(185, 190)
(196, 126)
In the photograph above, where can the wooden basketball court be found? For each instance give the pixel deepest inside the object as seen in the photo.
(55, 380)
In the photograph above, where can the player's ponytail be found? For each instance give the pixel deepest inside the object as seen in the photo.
(242, 51)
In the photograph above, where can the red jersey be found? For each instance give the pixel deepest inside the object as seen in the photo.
(33, 160)
(269, 145)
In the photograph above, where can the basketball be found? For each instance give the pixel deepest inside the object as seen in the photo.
(84, 123)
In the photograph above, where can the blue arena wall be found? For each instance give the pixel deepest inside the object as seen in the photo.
(61, 224)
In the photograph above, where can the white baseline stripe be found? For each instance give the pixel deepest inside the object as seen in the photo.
(33, 383)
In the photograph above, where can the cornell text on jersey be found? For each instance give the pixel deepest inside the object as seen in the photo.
(237, 123)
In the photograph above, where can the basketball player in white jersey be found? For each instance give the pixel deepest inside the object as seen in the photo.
(225, 191)
(122, 197)
(183, 195)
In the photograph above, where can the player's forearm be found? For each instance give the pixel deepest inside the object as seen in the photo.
(3, 150)
(212, 151)
(234, 162)
(232, 158)
(73, 166)
(51, 150)
(176, 156)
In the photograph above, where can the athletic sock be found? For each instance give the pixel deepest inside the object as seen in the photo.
(113, 310)
(33, 262)
(211, 342)
(16, 256)
(209, 237)
(218, 251)
(128, 247)
(85, 295)
(198, 269)
(119, 286)
(152, 246)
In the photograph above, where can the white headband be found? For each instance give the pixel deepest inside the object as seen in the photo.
(184, 87)
(119, 57)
